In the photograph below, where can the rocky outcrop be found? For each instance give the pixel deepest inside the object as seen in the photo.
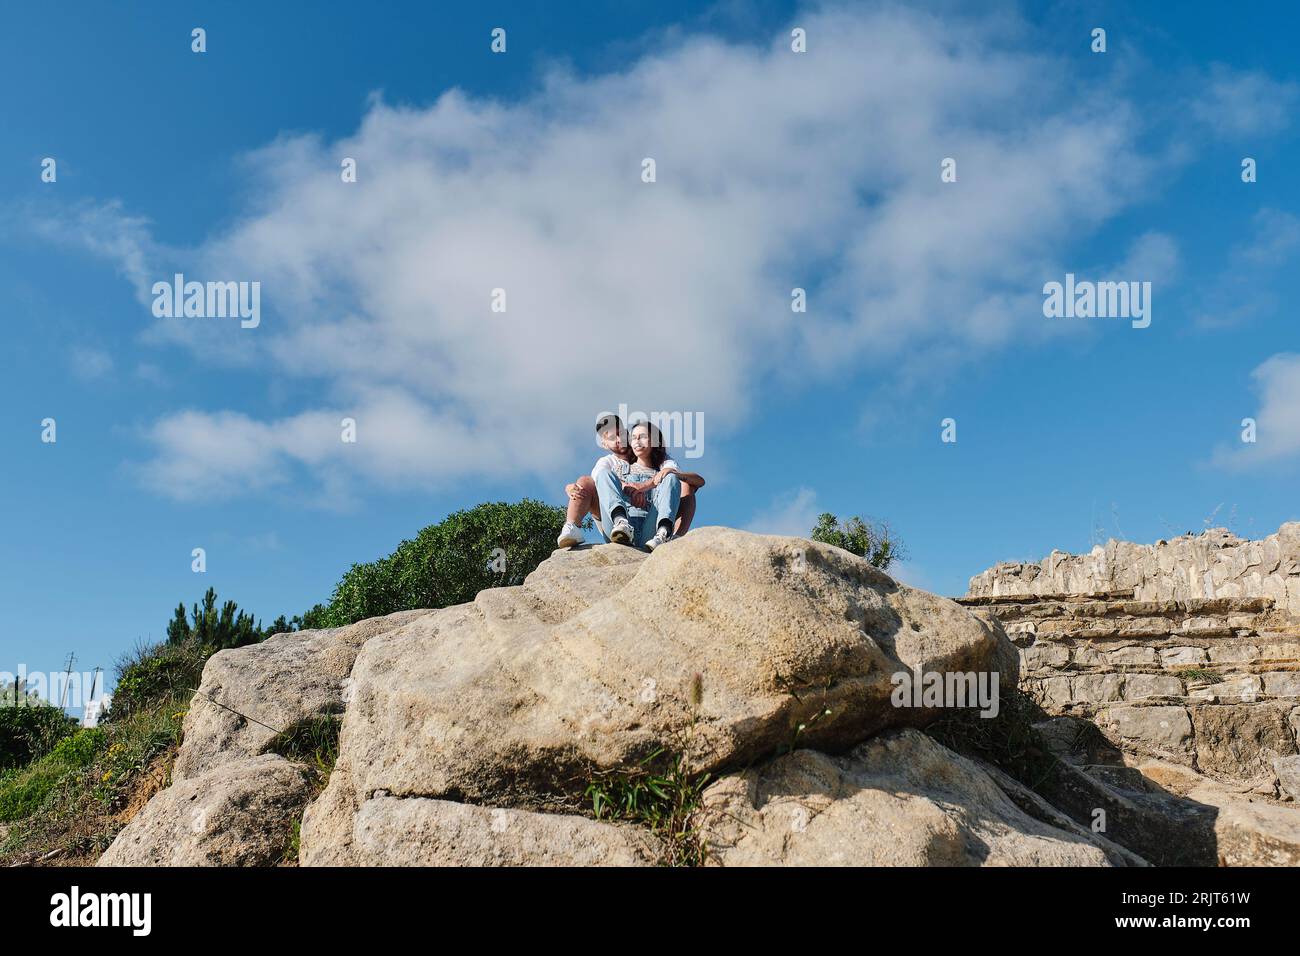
(237, 814)
(1233, 826)
(469, 735)
(1214, 564)
(898, 799)
(742, 638)
(250, 695)
(417, 832)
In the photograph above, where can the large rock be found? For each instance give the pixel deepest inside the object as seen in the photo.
(248, 695)
(899, 799)
(390, 831)
(493, 703)
(1241, 740)
(240, 813)
(1178, 817)
(1164, 732)
(1251, 832)
(1287, 770)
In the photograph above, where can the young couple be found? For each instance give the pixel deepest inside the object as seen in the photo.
(636, 493)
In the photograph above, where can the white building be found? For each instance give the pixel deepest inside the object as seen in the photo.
(96, 709)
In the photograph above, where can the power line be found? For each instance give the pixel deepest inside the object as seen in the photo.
(67, 678)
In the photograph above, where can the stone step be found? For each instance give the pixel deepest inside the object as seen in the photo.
(1083, 606)
(1151, 629)
(1213, 656)
(1144, 621)
(1090, 690)
(987, 600)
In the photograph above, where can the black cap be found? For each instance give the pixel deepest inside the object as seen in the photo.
(606, 421)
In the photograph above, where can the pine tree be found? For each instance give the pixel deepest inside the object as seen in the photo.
(210, 627)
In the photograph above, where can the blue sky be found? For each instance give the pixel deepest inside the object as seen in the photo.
(774, 170)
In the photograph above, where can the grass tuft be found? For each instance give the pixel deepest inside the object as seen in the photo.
(660, 793)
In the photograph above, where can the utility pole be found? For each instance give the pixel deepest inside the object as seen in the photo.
(67, 677)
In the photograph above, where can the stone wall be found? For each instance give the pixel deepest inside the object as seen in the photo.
(1212, 684)
(1214, 564)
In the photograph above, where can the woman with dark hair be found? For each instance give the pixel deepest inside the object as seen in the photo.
(654, 486)
(663, 466)
(647, 443)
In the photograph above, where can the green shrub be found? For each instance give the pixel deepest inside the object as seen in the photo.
(80, 749)
(447, 563)
(25, 791)
(868, 539)
(30, 730)
(70, 802)
(156, 673)
(312, 619)
(313, 741)
(134, 741)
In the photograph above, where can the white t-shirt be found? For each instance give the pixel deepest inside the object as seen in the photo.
(628, 472)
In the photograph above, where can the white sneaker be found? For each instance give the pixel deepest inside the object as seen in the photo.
(571, 535)
(662, 536)
(622, 532)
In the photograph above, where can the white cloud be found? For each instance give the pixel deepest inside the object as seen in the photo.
(1244, 288)
(104, 229)
(775, 170)
(1277, 380)
(793, 513)
(265, 541)
(91, 364)
(1245, 103)
(201, 455)
(1152, 257)
(1277, 234)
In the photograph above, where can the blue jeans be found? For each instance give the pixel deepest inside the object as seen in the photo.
(661, 503)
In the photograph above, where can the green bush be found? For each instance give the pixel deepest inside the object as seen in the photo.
(134, 742)
(447, 563)
(156, 673)
(874, 541)
(30, 730)
(22, 792)
(80, 749)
